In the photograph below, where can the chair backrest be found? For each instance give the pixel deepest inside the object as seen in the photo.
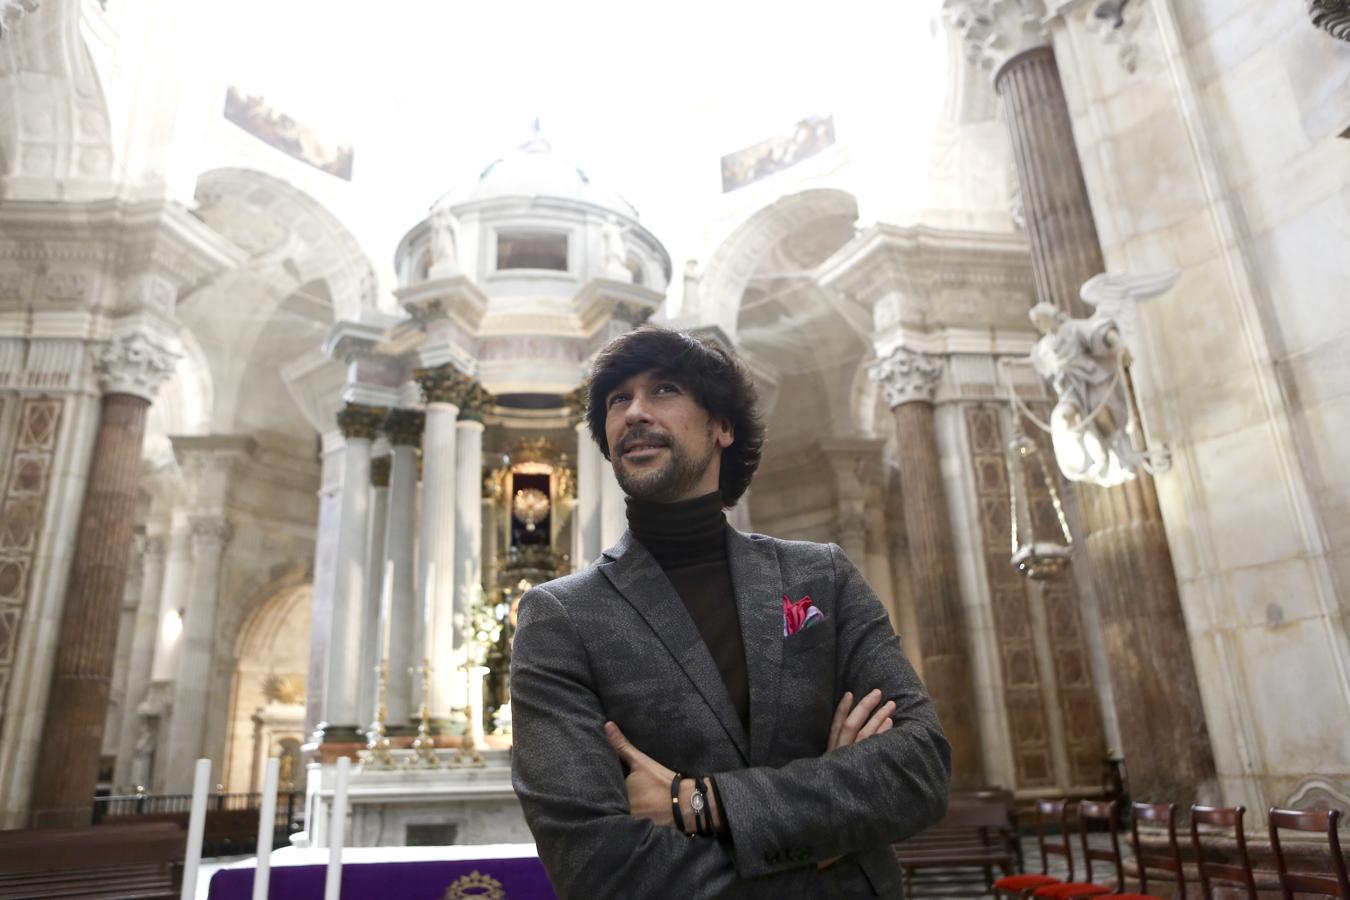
(1048, 812)
(1319, 821)
(1147, 858)
(1225, 817)
(1098, 811)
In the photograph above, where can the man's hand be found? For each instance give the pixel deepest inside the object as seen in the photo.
(852, 724)
(648, 781)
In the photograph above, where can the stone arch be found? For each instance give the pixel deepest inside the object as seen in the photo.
(271, 657)
(733, 263)
(290, 235)
(55, 130)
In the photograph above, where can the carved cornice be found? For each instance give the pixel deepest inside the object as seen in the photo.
(404, 427)
(11, 11)
(380, 467)
(360, 422)
(442, 384)
(134, 364)
(995, 31)
(1332, 16)
(906, 376)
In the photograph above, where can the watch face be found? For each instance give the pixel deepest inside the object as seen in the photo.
(696, 802)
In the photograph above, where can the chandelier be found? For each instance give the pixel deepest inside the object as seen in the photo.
(1037, 559)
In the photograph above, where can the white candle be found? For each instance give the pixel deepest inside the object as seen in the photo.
(267, 824)
(337, 831)
(386, 602)
(476, 675)
(192, 858)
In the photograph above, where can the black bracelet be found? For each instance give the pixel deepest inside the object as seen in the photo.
(675, 802)
(702, 812)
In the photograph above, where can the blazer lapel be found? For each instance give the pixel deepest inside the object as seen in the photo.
(758, 583)
(636, 575)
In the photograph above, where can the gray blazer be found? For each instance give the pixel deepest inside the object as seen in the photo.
(614, 642)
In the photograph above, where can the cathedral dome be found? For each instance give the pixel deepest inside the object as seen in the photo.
(533, 170)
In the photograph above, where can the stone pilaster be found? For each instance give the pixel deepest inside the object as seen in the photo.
(130, 369)
(1157, 696)
(187, 726)
(144, 636)
(442, 387)
(403, 428)
(909, 380)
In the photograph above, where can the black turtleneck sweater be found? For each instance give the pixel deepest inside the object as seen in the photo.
(689, 541)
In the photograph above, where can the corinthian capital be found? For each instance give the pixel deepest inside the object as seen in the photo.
(442, 384)
(211, 531)
(1333, 16)
(906, 376)
(994, 31)
(134, 364)
(11, 11)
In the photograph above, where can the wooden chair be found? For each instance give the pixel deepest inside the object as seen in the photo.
(976, 836)
(1090, 812)
(1320, 821)
(1147, 858)
(1226, 817)
(1021, 885)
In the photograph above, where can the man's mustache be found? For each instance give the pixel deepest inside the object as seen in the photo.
(643, 437)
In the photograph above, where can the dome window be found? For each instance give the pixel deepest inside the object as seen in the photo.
(531, 250)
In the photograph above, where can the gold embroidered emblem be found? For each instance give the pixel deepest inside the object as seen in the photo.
(475, 885)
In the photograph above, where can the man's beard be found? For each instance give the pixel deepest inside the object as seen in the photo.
(669, 482)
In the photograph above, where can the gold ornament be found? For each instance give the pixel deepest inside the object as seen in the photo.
(475, 885)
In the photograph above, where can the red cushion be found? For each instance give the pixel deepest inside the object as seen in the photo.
(1022, 882)
(1071, 889)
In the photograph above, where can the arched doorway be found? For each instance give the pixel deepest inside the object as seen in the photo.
(267, 697)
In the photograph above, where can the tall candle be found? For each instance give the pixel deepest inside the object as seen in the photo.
(386, 602)
(192, 858)
(267, 826)
(337, 831)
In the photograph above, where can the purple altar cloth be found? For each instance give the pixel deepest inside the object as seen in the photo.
(516, 879)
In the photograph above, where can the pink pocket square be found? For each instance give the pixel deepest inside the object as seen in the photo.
(799, 615)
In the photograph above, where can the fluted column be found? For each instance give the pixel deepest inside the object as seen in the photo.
(371, 626)
(586, 544)
(342, 720)
(1157, 695)
(403, 427)
(187, 726)
(130, 370)
(142, 657)
(442, 386)
(909, 381)
(468, 517)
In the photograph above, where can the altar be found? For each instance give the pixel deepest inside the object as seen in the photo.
(506, 871)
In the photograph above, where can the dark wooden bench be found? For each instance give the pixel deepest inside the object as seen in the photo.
(128, 862)
(226, 831)
(961, 853)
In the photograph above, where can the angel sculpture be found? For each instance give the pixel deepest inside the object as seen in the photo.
(1092, 425)
(444, 252)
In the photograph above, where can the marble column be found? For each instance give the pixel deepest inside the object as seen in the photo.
(442, 386)
(130, 370)
(187, 726)
(343, 722)
(403, 427)
(144, 635)
(1157, 695)
(372, 629)
(909, 381)
(613, 508)
(468, 516)
(586, 545)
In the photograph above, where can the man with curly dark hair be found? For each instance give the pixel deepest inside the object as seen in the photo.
(706, 713)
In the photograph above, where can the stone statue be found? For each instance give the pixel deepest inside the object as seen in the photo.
(613, 254)
(691, 286)
(1085, 361)
(444, 250)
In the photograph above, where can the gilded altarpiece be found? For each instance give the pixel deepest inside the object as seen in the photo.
(1023, 643)
(32, 434)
